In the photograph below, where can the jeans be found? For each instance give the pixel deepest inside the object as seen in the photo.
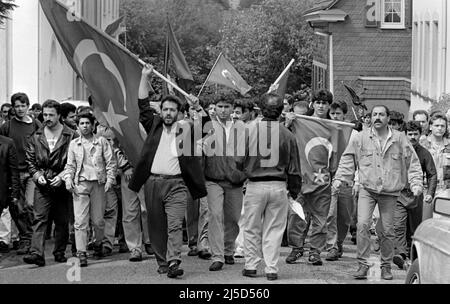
(110, 217)
(339, 217)
(5, 226)
(317, 204)
(224, 204)
(385, 226)
(22, 212)
(265, 213)
(131, 215)
(166, 201)
(202, 240)
(54, 204)
(297, 228)
(192, 213)
(406, 221)
(89, 202)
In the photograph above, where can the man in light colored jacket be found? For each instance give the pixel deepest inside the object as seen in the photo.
(386, 161)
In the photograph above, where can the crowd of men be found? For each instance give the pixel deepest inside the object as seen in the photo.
(59, 166)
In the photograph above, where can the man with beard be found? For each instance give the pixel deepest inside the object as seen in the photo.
(68, 115)
(169, 170)
(385, 161)
(408, 212)
(46, 157)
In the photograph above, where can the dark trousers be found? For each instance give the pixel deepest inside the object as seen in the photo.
(50, 204)
(406, 220)
(22, 212)
(192, 213)
(297, 228)
(166, 201)
(317, 204)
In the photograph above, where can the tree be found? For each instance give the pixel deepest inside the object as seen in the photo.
(5, 8)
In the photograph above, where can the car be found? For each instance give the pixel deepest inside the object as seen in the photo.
(430, 249)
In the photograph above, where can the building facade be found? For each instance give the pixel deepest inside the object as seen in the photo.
(34, 62)
(430, 77)
(365, 44)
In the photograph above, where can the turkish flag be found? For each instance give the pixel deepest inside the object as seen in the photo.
(321, 143)
(110, 71)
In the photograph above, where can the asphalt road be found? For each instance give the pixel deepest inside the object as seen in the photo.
(116, 269)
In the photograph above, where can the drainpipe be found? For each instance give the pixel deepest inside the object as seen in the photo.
(444, 46)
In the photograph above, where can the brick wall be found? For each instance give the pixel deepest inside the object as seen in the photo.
(364, 51)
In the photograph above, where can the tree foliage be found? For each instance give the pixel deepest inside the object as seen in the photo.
(5, 8)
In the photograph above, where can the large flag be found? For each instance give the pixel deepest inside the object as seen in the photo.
(174, 55)
(110, 71)
(321, 143)
(115, 28)
(225, 74)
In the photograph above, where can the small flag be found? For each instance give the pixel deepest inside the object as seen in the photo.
(355, 98)
(225, 74)
(115, 28)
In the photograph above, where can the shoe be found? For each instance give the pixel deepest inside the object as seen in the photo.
(361, 273)
(34, 258)
(174, 271)
(91, 246)
(163, 269)
(149, 249)
(4, 248)
(249, 273)
(60, 258)
(272, 276)
(332, 255)
(216, 266)
(204, 254)
(106, 251)
(314, 259)
(98, 252)
(229, 260)
(193, 251)
(386, 273)
(340, 250)
(399, 261)
(135, 256)
(123, 247)
(295, 254)
(24, 247)
(83, 259)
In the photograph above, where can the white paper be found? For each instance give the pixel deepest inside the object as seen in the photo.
(297, 208)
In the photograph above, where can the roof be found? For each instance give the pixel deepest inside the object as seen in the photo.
(322, 5)
(386, 88)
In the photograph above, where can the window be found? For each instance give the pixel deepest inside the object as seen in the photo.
(393, 14)
(320, 76)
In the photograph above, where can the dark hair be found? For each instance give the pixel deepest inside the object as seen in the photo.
(290, 99)
(36, 106)
(66, 108)
(223, 96)
(22, 97)
(5, 105)
(388, 113)
(438, 116)
(82, 109)
(423, 112)
(396, 117)
(324, 95)
(301, 104)
(341, 105)
(358, 125)
(271, 105)
(50, 103)
(413, 126)
(173, 99)
(86, 115)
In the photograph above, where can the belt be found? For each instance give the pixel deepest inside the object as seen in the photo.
(163, 176)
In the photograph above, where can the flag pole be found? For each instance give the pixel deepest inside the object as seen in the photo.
(212, 69)
(343, 123)
(285, 71)
(354, 113)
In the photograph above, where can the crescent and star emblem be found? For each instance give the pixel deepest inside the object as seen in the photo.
(314, 142)
(226, 74)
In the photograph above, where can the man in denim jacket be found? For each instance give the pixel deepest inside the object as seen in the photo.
(386, 161)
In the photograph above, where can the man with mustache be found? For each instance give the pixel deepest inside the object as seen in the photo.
(46, 157)
(408, 212)
(386, 162)
(169, 172)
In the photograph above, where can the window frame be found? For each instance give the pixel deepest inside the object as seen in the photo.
(391, 25)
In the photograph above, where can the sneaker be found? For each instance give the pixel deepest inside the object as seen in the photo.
(135, 256)
(386, 273)
(24, 247)
(295, 254)
(399, 260)
(34, 258)
(106, 251)
(204, 254)
(83, 259)
(60, 258)
(216, 266)
(314, 259)
(149, 249)
(4, 248)
(229, 260)
(249, 273)
(174, 271)
(361, 273)
(272, 276)
(193, 251)
(332, 255)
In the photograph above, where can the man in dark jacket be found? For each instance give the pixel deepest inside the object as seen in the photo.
(46, 156)
(169, 168)
(272, 165)
(408, 211)
(9, 173)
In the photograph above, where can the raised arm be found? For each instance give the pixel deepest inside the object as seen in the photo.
(146, 112)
